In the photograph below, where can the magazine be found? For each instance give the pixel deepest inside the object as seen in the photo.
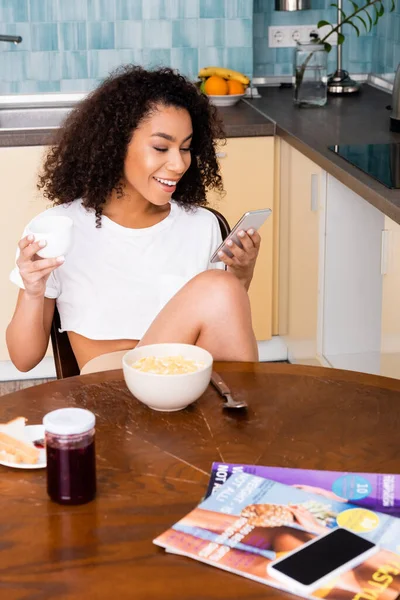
(250, 521)
(376, 491)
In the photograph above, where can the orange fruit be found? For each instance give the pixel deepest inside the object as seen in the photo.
(216, 86)
(235, 87)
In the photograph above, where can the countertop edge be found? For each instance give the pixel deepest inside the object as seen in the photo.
(353, 182)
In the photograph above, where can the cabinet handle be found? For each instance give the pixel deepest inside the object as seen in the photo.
(385, 251)
(314, 192)
(221, 154)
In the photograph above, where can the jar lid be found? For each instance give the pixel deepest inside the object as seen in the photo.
(69, 421)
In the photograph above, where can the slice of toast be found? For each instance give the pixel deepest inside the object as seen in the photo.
(13, 445)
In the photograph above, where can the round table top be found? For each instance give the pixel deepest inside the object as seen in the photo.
(153, 468)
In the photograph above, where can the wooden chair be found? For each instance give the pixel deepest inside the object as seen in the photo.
(64, 358)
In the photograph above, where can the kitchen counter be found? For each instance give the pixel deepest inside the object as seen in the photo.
(360, 119)
(38, 125)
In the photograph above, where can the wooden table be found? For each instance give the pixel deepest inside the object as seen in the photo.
(153, 468)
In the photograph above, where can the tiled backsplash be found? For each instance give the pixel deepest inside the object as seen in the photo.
(387, 44)
(70, 45)
(357, 52)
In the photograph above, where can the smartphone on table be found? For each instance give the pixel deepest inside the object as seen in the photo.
(309, 567)
(253, 219)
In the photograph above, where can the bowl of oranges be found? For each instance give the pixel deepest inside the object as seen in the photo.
(224, 87)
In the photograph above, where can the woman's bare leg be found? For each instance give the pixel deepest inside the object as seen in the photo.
(212, 311)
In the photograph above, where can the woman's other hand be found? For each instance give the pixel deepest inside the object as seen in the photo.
(34, 270)
(244, 259)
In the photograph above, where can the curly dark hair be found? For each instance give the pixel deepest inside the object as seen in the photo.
(87, 158)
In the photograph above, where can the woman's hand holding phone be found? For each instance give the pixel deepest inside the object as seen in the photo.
(34, 270)
(243, 259)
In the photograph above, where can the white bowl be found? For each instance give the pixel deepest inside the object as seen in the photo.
(56, 230)
(228, 100)
(167, 392)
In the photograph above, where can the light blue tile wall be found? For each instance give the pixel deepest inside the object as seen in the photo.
(71, 45)
(387, 51)
(357, 55)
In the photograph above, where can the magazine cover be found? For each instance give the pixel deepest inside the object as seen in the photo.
(376, 491)
(250, 521)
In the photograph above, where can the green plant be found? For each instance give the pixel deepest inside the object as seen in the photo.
(368, 15)
(362, 13)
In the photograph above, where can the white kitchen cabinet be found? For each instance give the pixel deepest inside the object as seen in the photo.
(21, 201)
(301, 221)
(352, 306)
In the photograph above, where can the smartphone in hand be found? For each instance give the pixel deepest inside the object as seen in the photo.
(252, 219)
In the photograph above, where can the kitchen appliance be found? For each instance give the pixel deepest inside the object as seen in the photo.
(395, 116)
(380, 161)
(340, 82)
(292, 4)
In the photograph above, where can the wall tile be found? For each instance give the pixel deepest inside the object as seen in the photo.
(102, 62)
(72, 10)
(101, 35)
(238, 9)
(22, 29)
(160, 9)
(74, 65)
(212, 9)
(156, 58)
(186, 60)
(126, 10)
(14, 66)
(14, 11)
(77, 85)
(128, 34)
(185, 33)
(44, 36)
(211, 56)
(238, 59)
(188, 9)
(101, 10)
(44, 66)
(157, 34)
(72, 36)
(75, 44)
(43, 10)
(238, 32)
(211, 32)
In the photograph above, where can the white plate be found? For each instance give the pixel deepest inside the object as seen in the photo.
(32, 432)
(228, 100)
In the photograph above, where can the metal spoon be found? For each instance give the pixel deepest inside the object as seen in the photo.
(223, 389)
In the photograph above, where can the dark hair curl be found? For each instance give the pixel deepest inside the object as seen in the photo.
(87, 158)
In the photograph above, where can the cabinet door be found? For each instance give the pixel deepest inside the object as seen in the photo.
(299, 250)
(353, 280)
(247, 168)
(390, 351)
(20, 202)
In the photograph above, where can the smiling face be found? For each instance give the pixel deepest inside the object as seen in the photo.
(158, 155)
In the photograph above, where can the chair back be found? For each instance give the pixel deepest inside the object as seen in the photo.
(64, 358)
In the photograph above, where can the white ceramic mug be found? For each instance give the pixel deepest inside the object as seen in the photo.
(56, 230)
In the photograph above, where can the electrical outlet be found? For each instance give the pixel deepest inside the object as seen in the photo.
(286, 36)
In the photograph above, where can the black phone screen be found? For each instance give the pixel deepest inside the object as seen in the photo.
(323, 556)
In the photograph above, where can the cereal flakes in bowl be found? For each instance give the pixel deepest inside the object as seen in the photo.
(167, 377)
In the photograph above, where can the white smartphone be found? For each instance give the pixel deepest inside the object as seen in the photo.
(253, 219)
(313, 564)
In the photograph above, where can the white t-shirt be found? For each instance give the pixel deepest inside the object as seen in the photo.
(115, 280)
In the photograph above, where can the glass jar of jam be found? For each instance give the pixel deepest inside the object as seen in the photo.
(71, 458)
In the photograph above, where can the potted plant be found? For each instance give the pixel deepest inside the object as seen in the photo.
(310, 66)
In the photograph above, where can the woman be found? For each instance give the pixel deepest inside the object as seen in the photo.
(138, 271)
